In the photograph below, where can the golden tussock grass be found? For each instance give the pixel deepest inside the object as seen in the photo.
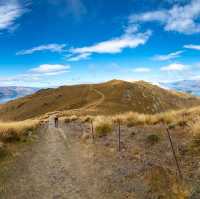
(181, 117)
(132, 118)
(172, 118)
(68, 119)
(103, 126)
(14, 130)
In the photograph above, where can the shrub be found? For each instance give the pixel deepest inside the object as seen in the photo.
(103, 126)
(153, 139)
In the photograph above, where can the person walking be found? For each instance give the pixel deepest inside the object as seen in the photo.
(56, 122)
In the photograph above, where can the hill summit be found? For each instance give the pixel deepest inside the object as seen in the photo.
(112, 97)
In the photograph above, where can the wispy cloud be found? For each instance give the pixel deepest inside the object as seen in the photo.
(78, 57)
(50, 69)
(49, 47)
(179, 18)
(167, 57)
(130, 39)
(142, 70)
(174, 67)
(38, 75)
(10, 11)
(192, 46)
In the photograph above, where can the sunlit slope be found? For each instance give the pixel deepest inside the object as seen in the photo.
(112, 97)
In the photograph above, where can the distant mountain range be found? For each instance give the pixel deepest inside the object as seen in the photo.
(13, 92)
(188, 86)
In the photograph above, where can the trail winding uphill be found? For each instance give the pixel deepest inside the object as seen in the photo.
(55, 167)
(94, 104)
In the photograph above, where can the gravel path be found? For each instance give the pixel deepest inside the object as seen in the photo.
(53, 168)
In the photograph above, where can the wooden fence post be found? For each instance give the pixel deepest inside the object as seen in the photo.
(174, 154)
(119, 135)
(92, 129)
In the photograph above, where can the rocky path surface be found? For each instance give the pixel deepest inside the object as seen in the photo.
(55, 167)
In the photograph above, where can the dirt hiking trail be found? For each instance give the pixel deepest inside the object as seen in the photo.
(56, 167)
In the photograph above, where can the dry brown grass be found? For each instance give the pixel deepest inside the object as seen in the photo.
(103, 126)
(184, 117)
(181, 117)
(164, 185)
(14, 130)
(68, 119)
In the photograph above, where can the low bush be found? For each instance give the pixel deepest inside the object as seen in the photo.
(153, 139)
(103, 126)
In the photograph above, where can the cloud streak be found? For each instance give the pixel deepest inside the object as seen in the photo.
(130, 39)
(167, 57)
(192, 46)
(40, 74)
(49, 47)
(174, 67)
(10, 11)
(50, 69)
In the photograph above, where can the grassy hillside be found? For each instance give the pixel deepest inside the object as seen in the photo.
(112, 97)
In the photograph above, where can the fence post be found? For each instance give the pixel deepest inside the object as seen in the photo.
(119, 135)
(174, 154)
(92, 129)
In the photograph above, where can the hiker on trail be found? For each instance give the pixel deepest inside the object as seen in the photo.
(56, 122)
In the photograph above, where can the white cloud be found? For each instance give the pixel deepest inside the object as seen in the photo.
(169, 56)
(130, 39)
(179, 18)
(40, 75)
(10, 11)
(191, 46)
(78, 57)
(174, 67)
(142, 70)
(50, 69)
(49, 47)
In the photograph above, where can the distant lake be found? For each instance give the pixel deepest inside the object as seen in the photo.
(6, 99)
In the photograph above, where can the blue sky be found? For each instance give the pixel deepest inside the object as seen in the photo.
(55, 42)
